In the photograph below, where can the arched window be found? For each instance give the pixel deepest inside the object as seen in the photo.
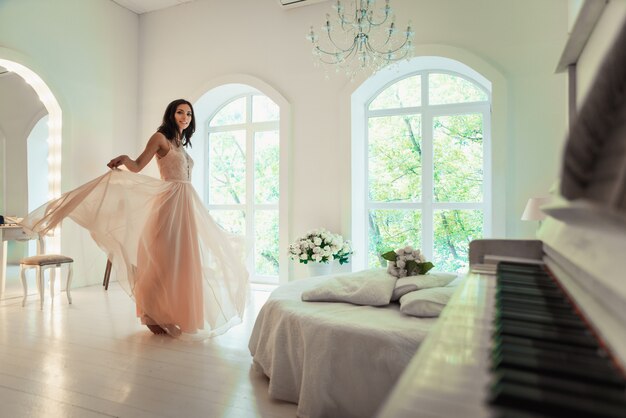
(241, 177)
(425, 169)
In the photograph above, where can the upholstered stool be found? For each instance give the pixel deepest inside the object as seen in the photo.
(41, 263)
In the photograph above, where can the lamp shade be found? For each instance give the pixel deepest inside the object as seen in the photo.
(532, 211)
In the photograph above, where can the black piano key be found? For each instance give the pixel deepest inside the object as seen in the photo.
(582, 370)
(547, 345)
(548, 402)
(591, 359)
(530, 291)
(561, 303)
(525, 280)
(542, 318)
(506, 266)
(516, 413)
(573, 387)
(515, 306)
(541, 332)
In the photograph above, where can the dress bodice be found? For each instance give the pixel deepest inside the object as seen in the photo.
(176, 165)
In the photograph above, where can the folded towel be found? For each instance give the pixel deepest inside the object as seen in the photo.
(408, 284)
(372, 287)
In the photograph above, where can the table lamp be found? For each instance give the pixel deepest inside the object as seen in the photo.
(532, 211)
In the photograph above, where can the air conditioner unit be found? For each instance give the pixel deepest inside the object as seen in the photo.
(290, 4)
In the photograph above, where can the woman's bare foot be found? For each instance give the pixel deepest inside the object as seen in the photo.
(156, 329)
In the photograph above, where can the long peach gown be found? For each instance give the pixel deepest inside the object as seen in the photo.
(184, 271)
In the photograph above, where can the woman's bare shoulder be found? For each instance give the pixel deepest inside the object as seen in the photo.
(158, 138)
(160, 144)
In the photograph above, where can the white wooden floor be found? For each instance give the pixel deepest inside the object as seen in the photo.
(94, 359)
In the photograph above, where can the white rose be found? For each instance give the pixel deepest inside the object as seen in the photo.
(401, 273)
(401, 263)
(399, 251)
(317, 241)
(303, 257)
(408, 249)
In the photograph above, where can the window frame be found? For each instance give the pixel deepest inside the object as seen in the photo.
(360, 154)
(249, 207)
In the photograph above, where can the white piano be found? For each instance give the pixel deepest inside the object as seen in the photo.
(482, 360)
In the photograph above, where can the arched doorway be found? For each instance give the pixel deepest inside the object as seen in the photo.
(15, 197)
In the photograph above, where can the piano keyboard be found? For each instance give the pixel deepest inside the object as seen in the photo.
(545, 359)
(510, 345)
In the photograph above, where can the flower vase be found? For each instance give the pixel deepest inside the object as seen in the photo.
(320, 269)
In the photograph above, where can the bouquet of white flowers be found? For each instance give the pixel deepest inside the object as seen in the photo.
(406, 262)
(320, 246)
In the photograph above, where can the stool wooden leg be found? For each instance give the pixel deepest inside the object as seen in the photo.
(69, 282)
(42, 288)
(24, 283)
(107, 275)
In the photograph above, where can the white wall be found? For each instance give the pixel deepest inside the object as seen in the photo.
(110, 87)
(523, 40)
(86, 52)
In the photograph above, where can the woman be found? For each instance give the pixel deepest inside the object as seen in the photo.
(184, 271)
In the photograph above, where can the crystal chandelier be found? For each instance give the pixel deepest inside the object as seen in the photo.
(361, 42)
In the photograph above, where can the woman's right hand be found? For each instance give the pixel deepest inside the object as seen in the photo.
(117, 161)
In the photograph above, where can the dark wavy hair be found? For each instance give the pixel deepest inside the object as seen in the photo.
(169, 128)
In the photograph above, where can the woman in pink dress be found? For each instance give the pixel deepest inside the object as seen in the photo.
(184, 271)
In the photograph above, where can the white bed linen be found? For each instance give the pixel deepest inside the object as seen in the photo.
(333, 359)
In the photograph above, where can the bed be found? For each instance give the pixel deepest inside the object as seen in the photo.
(333, 359)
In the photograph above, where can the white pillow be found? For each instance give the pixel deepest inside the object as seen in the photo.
(368, 287)
(405, 285)
(426, 302)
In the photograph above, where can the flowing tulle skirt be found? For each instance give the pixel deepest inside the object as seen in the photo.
(184, 271)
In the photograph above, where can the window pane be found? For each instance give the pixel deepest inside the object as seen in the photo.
(395, 158)
(266, 250)
(266, 156)
(447, 88)
(392, 229)
(454, 229)
(234, 221)
(227, 167)
(233, 112)
(264, 109)
(404, 93)
(458, 158)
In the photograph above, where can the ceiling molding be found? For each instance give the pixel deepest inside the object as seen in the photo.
(146, 6)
